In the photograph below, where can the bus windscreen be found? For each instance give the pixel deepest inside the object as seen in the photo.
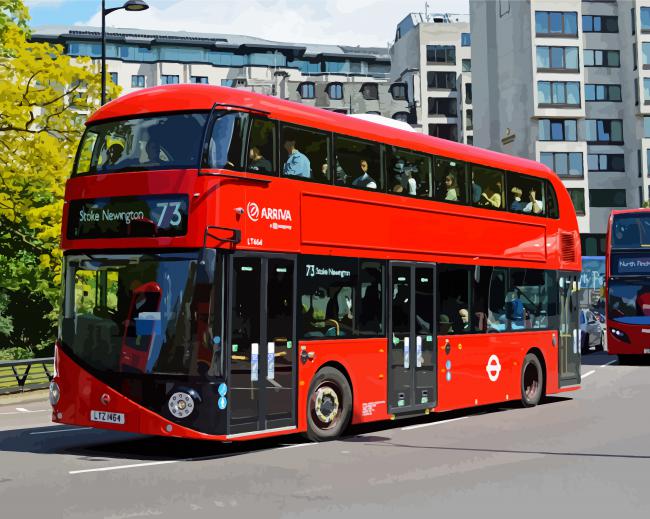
(631, 231)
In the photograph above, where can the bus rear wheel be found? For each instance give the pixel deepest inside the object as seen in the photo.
(329, 405)
(532, 381)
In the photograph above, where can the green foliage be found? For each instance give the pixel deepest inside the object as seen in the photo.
(44, 98)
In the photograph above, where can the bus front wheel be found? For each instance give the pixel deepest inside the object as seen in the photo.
(329, 405)
(532, 381)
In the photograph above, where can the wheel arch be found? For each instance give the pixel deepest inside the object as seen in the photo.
(340, 367)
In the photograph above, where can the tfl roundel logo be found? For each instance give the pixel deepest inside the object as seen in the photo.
(253, 211)
(493, 368)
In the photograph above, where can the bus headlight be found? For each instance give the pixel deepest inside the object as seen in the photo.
(55, 393)
(621, 336)
(181, 404)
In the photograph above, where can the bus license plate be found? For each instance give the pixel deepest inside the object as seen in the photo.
(106, 417)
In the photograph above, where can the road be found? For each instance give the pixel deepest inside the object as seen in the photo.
(585, 454)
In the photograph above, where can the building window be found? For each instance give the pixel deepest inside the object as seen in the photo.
(607, 198)
(645, 19)
(465, 39)
(645, 54)
(606, 162)
(398, 91)
(167, 79)
(595, 92)
(199, 80)
(564, 164)
(137, 81)
(636, 91)
(602, 58)
(444, 131)
(647, 161)
(335, 90)
(599, 23)
(557, 58)
(558, 130)
(552, 23)
(446, 106)
(565, 93)
(470, 122)
(114, 77)
(467, 65)
(578, 198)
(307, 90)
(468, 93)
(370, 91)
(441, 54)
(604, 131)
(646, 91)
(401, 116)
(646, 127)
(442, 80)
(470, 140)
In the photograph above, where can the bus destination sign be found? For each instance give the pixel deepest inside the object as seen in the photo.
(633, 265)
(129, 216)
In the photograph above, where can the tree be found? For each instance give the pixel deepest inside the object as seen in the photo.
(44, 98)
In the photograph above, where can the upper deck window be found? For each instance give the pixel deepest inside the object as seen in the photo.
(162, 142)
(227, 139)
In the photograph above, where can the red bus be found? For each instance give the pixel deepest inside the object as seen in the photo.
(273, 268)
(628, 283)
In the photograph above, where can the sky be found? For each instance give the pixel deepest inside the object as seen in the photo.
(342, 22)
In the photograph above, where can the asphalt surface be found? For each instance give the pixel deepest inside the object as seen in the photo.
(584, 454)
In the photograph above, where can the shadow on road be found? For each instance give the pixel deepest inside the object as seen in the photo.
(98, 446)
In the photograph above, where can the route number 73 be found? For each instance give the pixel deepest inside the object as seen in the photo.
(176, 215)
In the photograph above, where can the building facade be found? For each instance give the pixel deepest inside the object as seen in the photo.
(574, 93)
(344, 79)
(432, 56)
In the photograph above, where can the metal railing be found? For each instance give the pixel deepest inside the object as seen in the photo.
(17, 376)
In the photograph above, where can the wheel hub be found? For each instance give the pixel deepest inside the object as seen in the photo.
(326, 405)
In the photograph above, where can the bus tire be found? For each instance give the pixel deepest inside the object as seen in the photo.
(329, 405)
(532, 381)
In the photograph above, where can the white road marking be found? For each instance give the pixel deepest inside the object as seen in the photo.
(433, 423)
(610, 362)
(62, 430)
(26, 411)
(135, 465)
(296, 445)
(22, 410)
(589, 373)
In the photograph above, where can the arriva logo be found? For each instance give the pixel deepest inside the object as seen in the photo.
(253, 211)
(267, 213)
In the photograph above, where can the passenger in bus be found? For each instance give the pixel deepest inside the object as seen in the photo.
(477, 191)
(444, 325)
(297, 164)
(451, 188)
(515, 311)
(113, 155)
(409, 184)
(257, 162)
(491, 197)
(153, 153)
(464, 318)
(516, 206)
(533, 206)
(364, 180)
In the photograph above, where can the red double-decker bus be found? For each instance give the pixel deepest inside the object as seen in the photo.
(628, 283)
(239, 266)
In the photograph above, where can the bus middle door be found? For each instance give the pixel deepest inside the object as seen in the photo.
(412, 354)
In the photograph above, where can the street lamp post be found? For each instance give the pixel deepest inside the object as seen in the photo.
(129, 5)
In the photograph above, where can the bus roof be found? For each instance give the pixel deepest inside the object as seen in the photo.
(193, 97)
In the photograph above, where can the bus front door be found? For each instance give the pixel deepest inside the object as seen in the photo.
(412, 357)
(261, 343)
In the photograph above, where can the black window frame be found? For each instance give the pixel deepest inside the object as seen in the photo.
(297, 127)
(555, 122)
(562, 33)
(609, 160)
(306, 85)
(334, 85)
(370, 91)
(568, 154)
(608, 87)
(607, 128)
(398, 86)
(436, 77)
(608, 24)
(436, 102)
(605, 58)
(551, 68)
(553, 104)
(446, 52)
(275, 146)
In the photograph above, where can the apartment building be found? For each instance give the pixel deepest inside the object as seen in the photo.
(567, 83)
(341, 78)
(432, 56)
